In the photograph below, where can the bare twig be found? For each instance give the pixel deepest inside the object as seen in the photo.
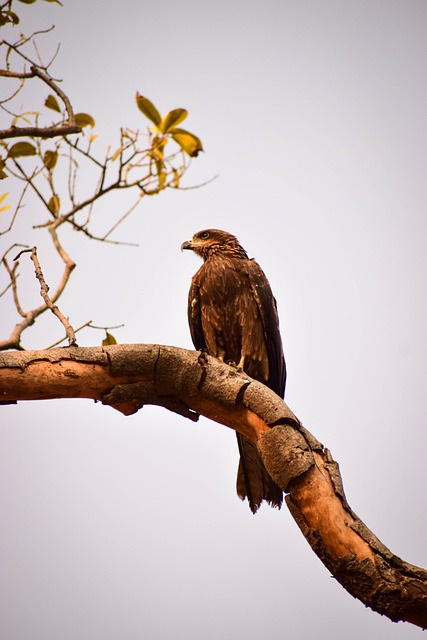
(6, 289)
(44, 292)
(13, 342)
(115, 326)
(123, 218)
(58, 342)
(13, 281)
(84, 326)
(17, 208)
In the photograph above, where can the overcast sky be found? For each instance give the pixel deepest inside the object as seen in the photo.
(313, 115)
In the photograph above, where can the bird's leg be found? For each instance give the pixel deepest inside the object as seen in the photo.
(221, 355)
(241, 365)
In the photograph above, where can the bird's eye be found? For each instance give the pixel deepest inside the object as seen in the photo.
(204, 235)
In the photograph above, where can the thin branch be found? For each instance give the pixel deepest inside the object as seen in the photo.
(113, 326)
(6, 289)
(13, 281)
(195, 186)
(84, 326)
(13, 342)
(44, 292)
(30, 180)
(74, 145)
(123, 218)
(9, 98)
(17, 208)
(88, 234)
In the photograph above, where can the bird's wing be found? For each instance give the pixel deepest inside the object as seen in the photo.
(270, 319)
(195, 316)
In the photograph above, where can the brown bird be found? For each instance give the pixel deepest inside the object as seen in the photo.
(232, 315)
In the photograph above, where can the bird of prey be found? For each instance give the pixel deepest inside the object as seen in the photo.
(233, 316)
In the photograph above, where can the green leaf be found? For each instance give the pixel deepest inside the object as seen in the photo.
(22, 149)
(27, 1)
(50, 159)
(54, 205)
(148, 109)
(84, 120)
(109, 339)
(188, 142)
(172, 119)
(56, 1)
(52, 103)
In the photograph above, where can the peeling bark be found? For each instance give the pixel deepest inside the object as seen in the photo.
(190, 383)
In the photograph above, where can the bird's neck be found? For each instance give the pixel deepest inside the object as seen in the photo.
(232, 253)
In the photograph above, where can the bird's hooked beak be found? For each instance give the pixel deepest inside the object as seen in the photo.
(188, 244)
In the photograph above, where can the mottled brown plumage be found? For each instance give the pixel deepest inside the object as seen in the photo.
(232, 315)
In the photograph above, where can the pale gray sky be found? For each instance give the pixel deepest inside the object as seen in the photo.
(313, 115)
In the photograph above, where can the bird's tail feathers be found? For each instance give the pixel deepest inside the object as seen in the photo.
(253, 480)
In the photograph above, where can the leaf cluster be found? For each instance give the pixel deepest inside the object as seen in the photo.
(167, 126)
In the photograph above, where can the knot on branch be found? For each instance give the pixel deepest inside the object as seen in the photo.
(286, 454)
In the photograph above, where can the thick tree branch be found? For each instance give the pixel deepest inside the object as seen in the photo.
(190, 383)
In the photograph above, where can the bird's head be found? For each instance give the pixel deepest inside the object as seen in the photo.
(210, 242)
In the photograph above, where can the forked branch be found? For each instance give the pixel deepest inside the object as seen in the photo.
(14, 340)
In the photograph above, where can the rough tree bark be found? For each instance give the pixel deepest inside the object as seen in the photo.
(190, 383)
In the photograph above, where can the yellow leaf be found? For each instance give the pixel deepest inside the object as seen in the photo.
(109, 339)
(172, 119)
(52, 103)
(117, 153)
(162, 179)
(159, 166)
(49, 159)
(176, 178)
(3, 174)
(188, 142)
(54, 204)
(6, 206)
(22, 149)
(84, 120)
(148, 109)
